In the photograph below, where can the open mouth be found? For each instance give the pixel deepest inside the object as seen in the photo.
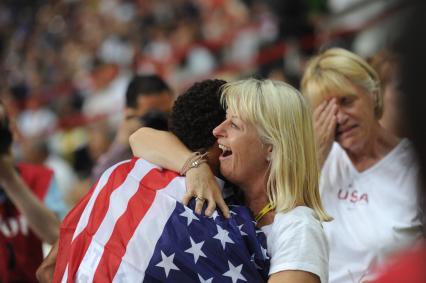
(226, 151)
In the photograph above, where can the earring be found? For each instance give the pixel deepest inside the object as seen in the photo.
(268, 159)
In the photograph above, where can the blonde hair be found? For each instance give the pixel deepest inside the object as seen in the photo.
(337, 71)
(282, 119)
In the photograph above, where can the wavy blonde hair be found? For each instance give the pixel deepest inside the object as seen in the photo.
(282, 119)
(337, 70)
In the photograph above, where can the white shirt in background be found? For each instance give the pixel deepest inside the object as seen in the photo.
(375, 212)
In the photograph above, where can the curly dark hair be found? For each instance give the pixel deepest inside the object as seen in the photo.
(196, 113)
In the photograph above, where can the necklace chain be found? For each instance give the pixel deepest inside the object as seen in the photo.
(269, 207)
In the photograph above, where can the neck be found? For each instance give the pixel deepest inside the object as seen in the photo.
(378, 145)
(256, 199)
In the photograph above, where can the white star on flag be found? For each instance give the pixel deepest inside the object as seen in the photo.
(189, 215)
(195, 249)
(167, 263)
(204, 281)
(241, 230)
(222, 236)
(214, 215)
(234, 272)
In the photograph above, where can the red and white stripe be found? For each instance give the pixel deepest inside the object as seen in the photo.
(122, 208)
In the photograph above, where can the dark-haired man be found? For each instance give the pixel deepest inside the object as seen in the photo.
(148, 101)
(149, 235)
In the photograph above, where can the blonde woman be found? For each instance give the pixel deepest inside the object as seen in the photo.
(368, 179)
(268, 149)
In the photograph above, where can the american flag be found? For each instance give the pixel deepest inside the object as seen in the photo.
(131, 227)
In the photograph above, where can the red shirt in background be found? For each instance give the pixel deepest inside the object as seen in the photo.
(20, 249)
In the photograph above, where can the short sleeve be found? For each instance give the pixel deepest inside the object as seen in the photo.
(298, 243)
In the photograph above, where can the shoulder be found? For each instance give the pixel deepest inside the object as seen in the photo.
(137, 168)
(34, 170)
(299, 219)
(37, 177)
(336, 154)
(404, 153)
(297, 242)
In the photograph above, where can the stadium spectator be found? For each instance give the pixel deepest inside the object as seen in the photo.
(36, 151)
(27, 192)
(368, 178)
(267, 129)
(144, 94)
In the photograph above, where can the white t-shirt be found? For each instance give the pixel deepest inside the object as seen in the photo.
(375, 212)
(296, 241)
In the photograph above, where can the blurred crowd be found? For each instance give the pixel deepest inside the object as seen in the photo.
(79, 77)
(67, 64)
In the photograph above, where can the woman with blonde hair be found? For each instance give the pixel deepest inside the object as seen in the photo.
(268, 151)
(368, 177)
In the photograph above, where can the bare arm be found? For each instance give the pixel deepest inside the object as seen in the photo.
(42, 221)
(167, 151)
(46, 270)
(293, 276)
(159, 147)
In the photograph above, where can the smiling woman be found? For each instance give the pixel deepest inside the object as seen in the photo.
(268, 151)
(368, 180)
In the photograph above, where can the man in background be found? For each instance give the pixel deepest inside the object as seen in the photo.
(148, 100)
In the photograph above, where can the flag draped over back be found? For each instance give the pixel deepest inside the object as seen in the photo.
(131, 227)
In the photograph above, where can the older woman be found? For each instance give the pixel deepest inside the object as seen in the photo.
(368, 175)
(268, 151)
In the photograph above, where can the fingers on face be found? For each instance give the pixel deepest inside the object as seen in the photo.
(325, 112)
(319, 111)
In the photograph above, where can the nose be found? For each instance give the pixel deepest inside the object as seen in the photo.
(341, 116)
(219, 130)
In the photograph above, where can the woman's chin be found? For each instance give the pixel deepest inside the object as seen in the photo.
(226, 171)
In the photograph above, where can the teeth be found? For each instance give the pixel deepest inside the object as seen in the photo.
(224, 148)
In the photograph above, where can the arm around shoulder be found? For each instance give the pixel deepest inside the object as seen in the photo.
(159, 147)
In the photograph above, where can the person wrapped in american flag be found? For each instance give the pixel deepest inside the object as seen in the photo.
(132, 227)
(269, 152)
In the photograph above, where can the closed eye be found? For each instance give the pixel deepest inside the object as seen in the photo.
(347, 100)
(233, 125)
